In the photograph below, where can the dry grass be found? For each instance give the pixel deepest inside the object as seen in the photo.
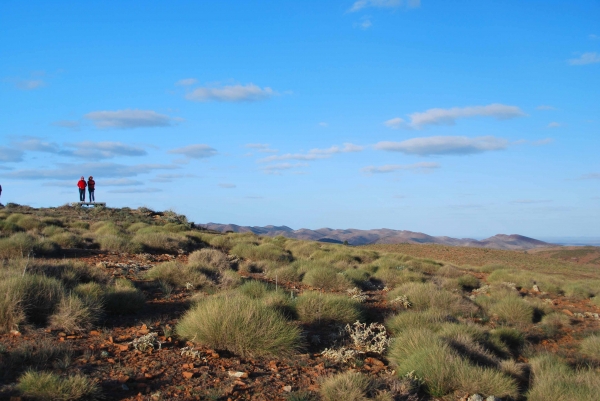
(51, 387)
(428, 296)
(179, 275)
(210, 257)
(328, 279)
(73, 314)
(319, 308)
(348, 386)
(590, 347)
(240, 325)
(554, 380)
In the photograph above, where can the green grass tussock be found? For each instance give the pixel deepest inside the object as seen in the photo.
(210, 257)
(513, 310)
(554, 380)
(428, 296)
(244, 326)
(442, 368)
(179, 275)
(328, 279)
(319, 308)
(123, 298)
(347, 386)
(47, 386)
(590, 347)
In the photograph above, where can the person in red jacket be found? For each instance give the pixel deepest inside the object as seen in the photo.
(81, 185)
(91, 188)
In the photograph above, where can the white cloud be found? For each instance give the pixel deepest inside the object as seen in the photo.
(231, 93)
(34, 144)
(186, 82)
(545, 107)
(554, 124)
(128, 119)
(261, 147)
(227, 185)
(449, 116)
(365, 24)
(396, 123)
(73, 125)
(29, 84)
(169, 177)
(541, 142)
(361, 4)
(198, 151)
(444, 145)
(315, 154)
(105, 150)
(277, 168)
(323, 124)
(68, 171)
(118, 182)
(585, 58)
(135, 190)
(423, 167)
(594, 37)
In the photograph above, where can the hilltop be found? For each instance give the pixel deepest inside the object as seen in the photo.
(382, 236)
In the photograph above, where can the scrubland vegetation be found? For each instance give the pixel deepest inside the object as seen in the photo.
(505, 325)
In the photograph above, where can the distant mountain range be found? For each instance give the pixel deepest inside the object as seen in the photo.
(383, 236)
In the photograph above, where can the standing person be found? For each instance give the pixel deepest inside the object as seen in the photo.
(91, 188)
(81, 185)
(0, 190)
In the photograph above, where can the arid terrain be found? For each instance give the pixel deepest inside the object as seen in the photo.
(353, 236)
(140, 305)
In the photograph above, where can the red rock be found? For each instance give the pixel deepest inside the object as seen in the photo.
(567, 312)
(123, 347)
(123, 379)
(187, 375)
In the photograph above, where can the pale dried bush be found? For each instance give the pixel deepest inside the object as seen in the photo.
(327, 279)
(210, 257)
(73, 314)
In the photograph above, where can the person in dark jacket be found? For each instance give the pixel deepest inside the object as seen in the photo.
(81, 185)
(91, 188)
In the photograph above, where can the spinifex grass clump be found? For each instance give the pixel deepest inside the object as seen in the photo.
(554, 380)
(327, 279)
(319, 308)
(241, 325)
(442, 367)
(47, 386)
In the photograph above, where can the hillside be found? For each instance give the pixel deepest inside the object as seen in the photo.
(382, 236)
(134, 304)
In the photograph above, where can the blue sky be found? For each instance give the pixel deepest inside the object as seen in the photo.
(463, 118)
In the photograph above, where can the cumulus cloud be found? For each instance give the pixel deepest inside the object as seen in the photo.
(197, 151)
(231, 93)
(72, 125)
(554, 124)
(186, 82)
(134, 190)
(227, 185)
(261, 147)
(277, 168)
(423, 167)
(100, 169)
(585, 58)
(545, 107)
(34, 144)
(119, 182)
(315, 154)
(444, 145)
(128, 119)
(449, 116)
(361, 4)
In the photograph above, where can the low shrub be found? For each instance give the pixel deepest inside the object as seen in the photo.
(552, 323)
(359, 277)
(16, 246)
(580, 290)
(162, 242)
(255, 289)
(554, 380)
(118, 243)
(468, 282)
(318, 308)
(393, 277)
(244, 326)
(327, 279)
(67, 240)
(230, 279)
(285, 274)
(428, 296)
(266, 251)
(429, 319)
(50, 386)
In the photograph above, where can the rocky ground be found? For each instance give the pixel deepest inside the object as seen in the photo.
(139, 358)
